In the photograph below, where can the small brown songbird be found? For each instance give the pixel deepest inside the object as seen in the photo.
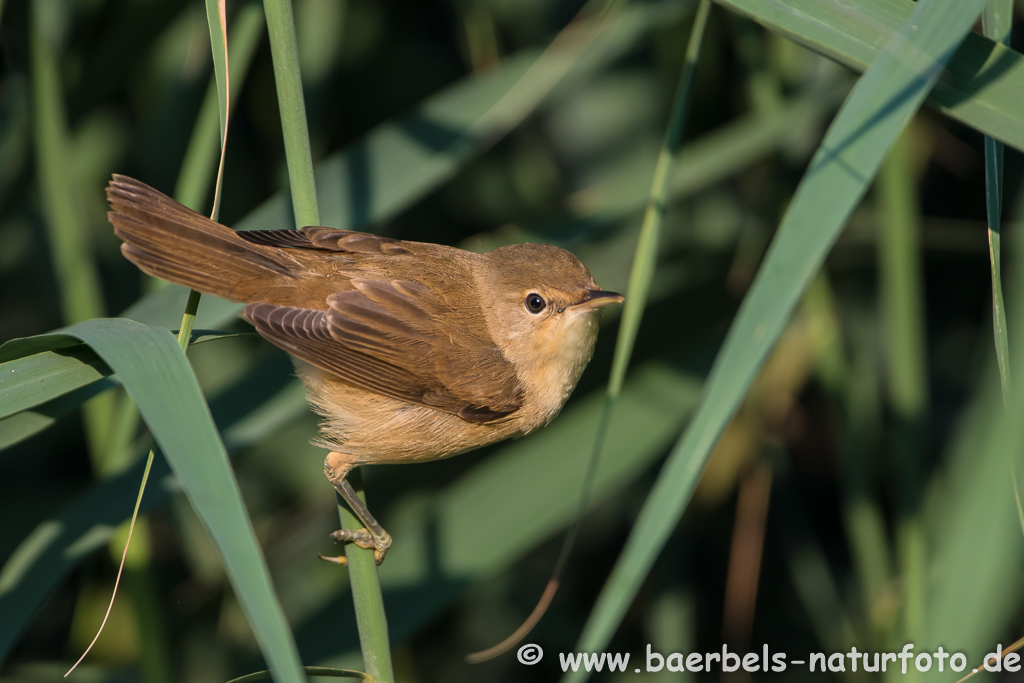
(409, 351)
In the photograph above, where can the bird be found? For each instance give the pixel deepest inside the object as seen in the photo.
(409, 351)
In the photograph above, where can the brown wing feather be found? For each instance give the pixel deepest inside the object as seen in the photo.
(276, 238)
(383, 336)
(326, 239)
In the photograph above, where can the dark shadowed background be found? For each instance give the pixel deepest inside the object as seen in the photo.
(859, 445)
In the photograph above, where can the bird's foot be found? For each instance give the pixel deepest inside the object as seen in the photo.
(363, 538)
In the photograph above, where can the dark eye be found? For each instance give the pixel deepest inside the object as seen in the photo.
(535, 302)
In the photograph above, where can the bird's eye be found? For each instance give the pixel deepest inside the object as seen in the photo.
(535, 302)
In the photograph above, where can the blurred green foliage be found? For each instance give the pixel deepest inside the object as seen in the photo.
(872, 442)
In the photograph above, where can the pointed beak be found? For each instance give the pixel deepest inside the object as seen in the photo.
(597, 298)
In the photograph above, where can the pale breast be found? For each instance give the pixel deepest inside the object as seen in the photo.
(557, 364)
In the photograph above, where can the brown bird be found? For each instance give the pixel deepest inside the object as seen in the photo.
(409, 351)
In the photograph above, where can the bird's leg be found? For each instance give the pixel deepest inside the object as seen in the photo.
(336, 468)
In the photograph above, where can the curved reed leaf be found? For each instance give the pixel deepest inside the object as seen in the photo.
(997, 22)
(154, 371)
(36, 370)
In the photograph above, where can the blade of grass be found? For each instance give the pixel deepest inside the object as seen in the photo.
(196, 175)
(61, 541)
(997, 24)
(156, 374)
(997, 21)
(152, 367)
(867, 125)
(40, 377)
(973, 488)
(645, 257)
(64, 391)
(26, 423)
(982, 86)
(33, 371)
(970, 507)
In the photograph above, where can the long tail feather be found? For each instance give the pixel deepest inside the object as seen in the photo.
(170, 241)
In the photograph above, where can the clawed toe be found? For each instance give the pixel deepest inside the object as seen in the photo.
(364, 539)
(381, 546)
(361, 537)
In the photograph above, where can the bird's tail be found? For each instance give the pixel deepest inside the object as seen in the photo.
(172, 242)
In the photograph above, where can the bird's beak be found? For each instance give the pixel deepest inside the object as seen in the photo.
(596, 298)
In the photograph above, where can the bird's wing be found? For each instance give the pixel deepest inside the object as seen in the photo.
(400, 339)
(326, 239)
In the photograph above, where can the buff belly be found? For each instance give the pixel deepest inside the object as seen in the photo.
(370, 428)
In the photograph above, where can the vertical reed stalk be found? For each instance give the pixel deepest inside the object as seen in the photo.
(903, 310)
(996, 21)
(370, 617)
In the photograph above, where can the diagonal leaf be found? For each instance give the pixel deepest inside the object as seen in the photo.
(21, 425)
(72, 532)
(35, 370)
(983, 85)
(872, 117)
(158, 378)
(37, 378)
